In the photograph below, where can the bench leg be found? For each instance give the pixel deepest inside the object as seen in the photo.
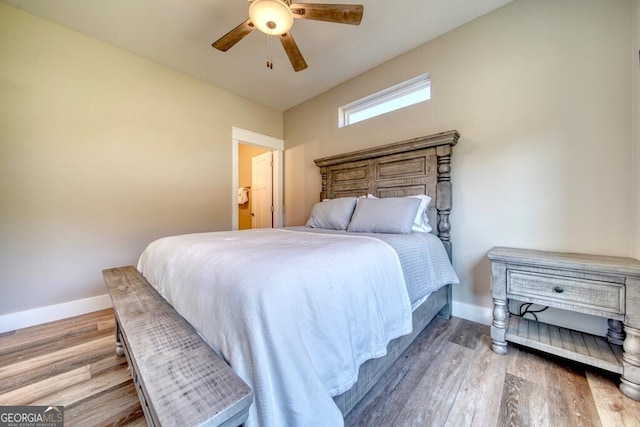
(119, 349)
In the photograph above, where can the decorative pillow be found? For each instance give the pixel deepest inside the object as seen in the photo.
(390, 215)
(332, 214)
(421, 221)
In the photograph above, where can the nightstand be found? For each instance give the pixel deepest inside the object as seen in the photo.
(602, 286)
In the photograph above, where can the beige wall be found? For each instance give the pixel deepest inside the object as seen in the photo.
(245, 154)
(541, 93)
(102, 151)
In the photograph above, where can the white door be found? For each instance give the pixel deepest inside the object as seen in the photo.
(262, 191)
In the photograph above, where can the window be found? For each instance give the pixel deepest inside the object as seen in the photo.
(399, 96)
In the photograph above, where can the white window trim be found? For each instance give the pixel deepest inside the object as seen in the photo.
(400, 90)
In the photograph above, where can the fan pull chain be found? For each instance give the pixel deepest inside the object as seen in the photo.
(269, 47)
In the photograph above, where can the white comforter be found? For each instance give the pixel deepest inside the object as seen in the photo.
(293, 313)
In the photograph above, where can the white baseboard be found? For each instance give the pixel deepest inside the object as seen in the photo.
(37, 316)
(473, 313)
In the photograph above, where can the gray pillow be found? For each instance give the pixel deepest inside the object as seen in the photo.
(421, 221)
(332, 214)
(390, 215)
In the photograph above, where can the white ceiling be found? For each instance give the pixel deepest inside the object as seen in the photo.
(179, 33)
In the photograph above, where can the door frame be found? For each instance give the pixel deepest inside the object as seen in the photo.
(247, 137)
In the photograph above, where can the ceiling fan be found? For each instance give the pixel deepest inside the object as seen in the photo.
(275, 17)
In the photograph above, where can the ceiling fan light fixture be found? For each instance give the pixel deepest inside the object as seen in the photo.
(271, 16)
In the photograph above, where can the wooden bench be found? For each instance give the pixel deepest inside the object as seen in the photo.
(180, 380)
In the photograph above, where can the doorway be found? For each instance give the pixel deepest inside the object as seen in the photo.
(244, 140)
(255, 187)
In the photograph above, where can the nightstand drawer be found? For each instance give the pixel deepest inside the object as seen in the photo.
(566, 292)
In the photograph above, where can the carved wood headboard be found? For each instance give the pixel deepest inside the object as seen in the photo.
(416, 166)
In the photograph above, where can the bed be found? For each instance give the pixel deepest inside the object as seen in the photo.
(314, 327)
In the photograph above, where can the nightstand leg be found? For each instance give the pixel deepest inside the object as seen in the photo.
(615, 333)
(499, 326)
(630, 381)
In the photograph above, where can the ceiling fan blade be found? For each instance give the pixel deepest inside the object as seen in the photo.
(227, 41)
(290, 46)
(339, 13)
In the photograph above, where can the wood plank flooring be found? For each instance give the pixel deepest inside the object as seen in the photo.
(71, 362)
(449, 377)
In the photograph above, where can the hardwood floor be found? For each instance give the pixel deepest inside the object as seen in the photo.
(449, 377)
(72, 363)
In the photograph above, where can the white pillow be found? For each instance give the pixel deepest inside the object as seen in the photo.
(421, 221)
(389, 215)
(332, 214)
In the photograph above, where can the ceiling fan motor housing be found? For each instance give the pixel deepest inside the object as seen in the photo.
(271, 16)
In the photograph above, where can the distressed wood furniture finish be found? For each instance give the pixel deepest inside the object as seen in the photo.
(417, 166)
(180, 380)
(602, 286)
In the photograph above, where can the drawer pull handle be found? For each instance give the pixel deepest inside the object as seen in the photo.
(558, 289)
